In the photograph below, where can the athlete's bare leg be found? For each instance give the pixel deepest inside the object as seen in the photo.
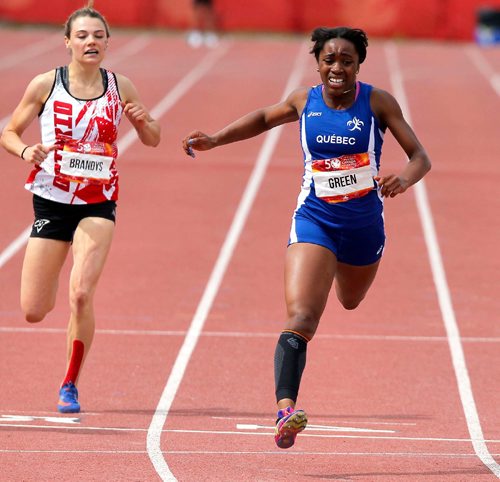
(91, 245)
(353, 282)
(309, 273)
(43, 261)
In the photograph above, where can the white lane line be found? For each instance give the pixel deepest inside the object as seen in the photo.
(265, 452)
(212, 287)
(241, 334)
(3, 122)
(320, 435)
(313, 428)
(93, 452)
(179, 90)
(15, 246)
(350, 422)
(72, 428)
(484, 67)
(131, 136)
(267, 433)
(443, 293)
(128, 50)
(302, 453)
(31, 418)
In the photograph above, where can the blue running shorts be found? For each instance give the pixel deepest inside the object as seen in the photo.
(354, 246)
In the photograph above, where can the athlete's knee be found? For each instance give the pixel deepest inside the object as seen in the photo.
(350, 302)
(34, 315)
(303, 321)
(36, 303)
(351, 305)
(80, 300)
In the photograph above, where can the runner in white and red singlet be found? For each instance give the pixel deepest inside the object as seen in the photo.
(74, 180)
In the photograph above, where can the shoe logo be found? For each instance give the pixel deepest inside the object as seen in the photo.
(293, 343)
(40, 223)
(314, 114)
(355, 123)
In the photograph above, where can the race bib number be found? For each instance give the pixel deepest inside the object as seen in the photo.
(88, 162)
(342, 178)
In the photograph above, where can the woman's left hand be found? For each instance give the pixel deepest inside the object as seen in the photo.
(391, 185)
(135, 112)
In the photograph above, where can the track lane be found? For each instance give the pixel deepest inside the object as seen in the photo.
(156, 286)
(117, 372)
(404, 377)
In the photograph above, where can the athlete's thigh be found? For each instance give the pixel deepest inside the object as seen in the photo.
(309, 273)
(353, 282)
(42, 264)
(91, 245)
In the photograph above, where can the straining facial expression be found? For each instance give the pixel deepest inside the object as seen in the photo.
(338, 65)
(88, 39)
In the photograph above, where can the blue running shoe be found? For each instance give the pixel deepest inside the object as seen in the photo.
(290, 422)
(68, 399)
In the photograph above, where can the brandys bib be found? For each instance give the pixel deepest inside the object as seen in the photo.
(342, 178)
(86, 161)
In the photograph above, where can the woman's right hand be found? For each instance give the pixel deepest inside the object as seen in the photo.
(37, 153)
(198, 141)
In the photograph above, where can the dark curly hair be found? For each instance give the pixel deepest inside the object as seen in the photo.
(358, 37)
(85, 12)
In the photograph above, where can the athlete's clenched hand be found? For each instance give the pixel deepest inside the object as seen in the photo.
(391, 185)
(198, 141)
(37, 153)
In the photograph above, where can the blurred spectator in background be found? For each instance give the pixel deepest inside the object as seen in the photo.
(205, 25)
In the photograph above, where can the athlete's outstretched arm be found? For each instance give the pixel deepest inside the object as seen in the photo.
(148, 129)
(250, 125)
(28, 108)
(390, 115)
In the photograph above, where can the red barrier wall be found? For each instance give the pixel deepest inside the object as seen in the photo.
(444, 19)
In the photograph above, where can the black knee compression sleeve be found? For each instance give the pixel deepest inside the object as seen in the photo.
(289, 363)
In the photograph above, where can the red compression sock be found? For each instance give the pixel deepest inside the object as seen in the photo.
(74, 362)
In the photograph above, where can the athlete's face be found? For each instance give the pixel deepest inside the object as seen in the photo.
(88, 40)
(338, 64)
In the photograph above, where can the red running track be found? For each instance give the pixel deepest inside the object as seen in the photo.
(179, 383)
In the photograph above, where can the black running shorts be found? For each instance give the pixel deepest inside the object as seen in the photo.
(55, 220)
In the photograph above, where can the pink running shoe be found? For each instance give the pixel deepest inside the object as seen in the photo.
(290, 422)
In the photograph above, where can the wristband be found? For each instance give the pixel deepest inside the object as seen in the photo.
(22, 152)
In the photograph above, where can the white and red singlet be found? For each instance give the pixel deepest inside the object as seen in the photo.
(83, 168)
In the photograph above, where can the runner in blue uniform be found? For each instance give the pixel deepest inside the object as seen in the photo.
(337, 235)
